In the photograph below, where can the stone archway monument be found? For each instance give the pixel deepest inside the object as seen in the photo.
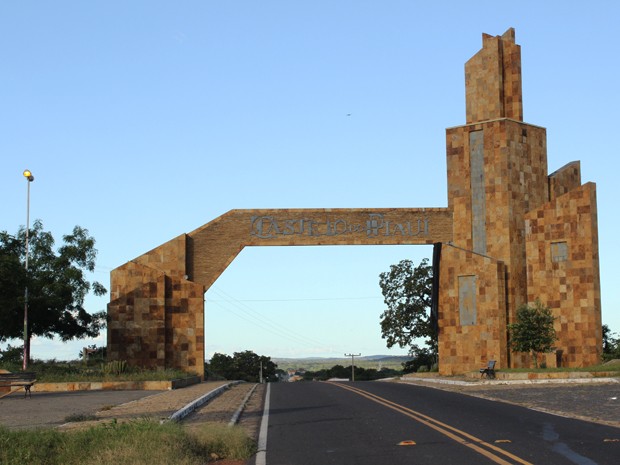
(157, 307)
(511, 233)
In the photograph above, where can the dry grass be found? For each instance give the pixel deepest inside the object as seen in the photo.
(136, 443)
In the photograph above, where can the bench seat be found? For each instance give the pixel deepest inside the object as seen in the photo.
(24, 379)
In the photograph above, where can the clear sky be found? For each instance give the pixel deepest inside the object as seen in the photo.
(143, 120)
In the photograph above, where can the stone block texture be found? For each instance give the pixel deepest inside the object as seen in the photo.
(562, 270)
(156, 316)
(541, 228)
(156, 310)
(471, 342)
(511, 234)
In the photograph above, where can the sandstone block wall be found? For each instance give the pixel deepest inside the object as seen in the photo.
(563, 272)
(472, 328)
(156, 316)
(507, 209)
(157, 300)
(511, 234)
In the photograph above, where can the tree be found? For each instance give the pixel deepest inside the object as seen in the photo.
(533, 331)
(422, 358)
(611, 344)
(407, 293)
(245, 366)
(56, 283)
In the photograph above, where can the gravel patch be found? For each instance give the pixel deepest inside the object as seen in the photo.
(599, 403)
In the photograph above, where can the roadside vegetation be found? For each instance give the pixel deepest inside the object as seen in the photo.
(611, 344)
(361, 374)
(96, 369)
(408, 321)
(245, 366)
(57, 284)
(315, 364)
(604, 367)
(136, 443)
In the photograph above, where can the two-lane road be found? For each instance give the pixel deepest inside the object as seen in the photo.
(390, 423)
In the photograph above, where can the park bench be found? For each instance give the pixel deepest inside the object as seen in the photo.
(489, 370)
(24, 379)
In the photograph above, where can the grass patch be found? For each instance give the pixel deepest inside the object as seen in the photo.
(77, 417)
(134, 443)
(595, 368)
(225, 442)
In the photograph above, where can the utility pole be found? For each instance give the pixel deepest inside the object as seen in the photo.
(352, 364)
(260, 377)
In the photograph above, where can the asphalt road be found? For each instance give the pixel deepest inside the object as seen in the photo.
(392, 423)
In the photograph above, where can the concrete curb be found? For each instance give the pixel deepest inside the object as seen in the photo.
(235, 418)
(499, 382)
(116, 385)
(193, 405)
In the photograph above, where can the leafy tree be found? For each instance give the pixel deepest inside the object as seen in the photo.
(56, 285)
(422, 357)
(533, 331)
(407, 293)
(243, 366)
(611, 344)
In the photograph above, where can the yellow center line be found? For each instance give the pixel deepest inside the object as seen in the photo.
(453, 433)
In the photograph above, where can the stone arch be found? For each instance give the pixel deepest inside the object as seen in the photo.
(511, 233)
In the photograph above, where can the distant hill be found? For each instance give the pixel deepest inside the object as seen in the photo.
(318, 363)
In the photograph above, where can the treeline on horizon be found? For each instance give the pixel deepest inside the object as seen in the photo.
(342, 372)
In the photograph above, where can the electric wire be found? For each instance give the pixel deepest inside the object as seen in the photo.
(245, 312)
(264, 322)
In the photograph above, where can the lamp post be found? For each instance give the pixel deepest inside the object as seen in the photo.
(29, 177)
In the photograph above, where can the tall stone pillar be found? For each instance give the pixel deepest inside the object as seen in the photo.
(156, 315)
(498, 187)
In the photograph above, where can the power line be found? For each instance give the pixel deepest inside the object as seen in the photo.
(254, 317)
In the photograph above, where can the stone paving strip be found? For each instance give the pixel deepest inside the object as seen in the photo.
(160, 406)
(222, 408)
(218, 402)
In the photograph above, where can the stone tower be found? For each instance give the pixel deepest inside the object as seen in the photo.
(518, 233)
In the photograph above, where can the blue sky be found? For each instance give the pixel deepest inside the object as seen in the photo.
(143, 120)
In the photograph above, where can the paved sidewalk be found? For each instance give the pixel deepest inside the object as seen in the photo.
(49, 409)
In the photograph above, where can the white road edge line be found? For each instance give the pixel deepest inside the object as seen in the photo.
(261, 454)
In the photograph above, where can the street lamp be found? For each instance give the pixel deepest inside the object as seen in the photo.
(29, 177)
